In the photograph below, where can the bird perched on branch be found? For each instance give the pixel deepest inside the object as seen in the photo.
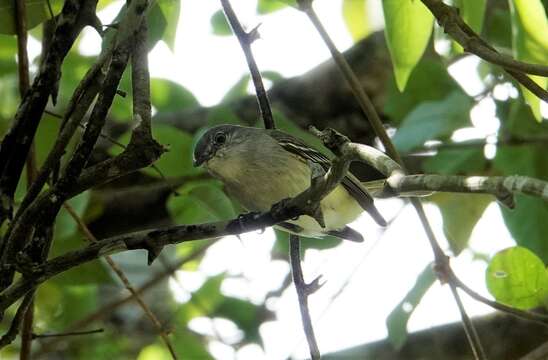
(260, 167)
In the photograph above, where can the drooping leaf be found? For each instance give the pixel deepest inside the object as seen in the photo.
(355, 18)
(433, 120)
(429, 81)
(219, 24)
(189, 345)
(204, 301)
(517, 277)
(396, 322)
(460, 213)
(35, 11)
(408, 25)
(530, 42)
(163, 18)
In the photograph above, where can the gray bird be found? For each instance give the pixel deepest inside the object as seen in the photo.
(260, 167)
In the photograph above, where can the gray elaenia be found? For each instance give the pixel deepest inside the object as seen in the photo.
(260, 167)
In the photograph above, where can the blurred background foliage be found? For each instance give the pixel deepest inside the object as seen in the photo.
(423, 104)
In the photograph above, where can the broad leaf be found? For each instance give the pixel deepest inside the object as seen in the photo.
(527, 222)
(456, 161)
(200, 202)
(408, 27)
(433, 120)
(460, 213)
(163, 18)
(167, 95)
(517, 277)
(429, 81)
(219, 24)
(355, 18)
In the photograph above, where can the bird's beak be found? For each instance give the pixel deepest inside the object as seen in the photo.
(199, 158)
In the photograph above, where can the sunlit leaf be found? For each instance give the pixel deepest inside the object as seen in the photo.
(355, 18)
(517, 277)
(408, 27)
(396, 322)
(530, 42)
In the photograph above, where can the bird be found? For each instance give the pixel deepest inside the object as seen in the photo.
(261, 167)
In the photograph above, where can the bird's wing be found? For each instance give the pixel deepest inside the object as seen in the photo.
(349, 182)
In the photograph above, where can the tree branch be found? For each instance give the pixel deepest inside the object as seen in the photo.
(246, 39)
(449, 18)
(303, 291)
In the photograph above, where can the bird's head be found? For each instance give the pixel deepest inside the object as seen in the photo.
(217, 141)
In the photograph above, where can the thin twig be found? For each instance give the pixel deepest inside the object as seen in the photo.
(469, 328)
(73, 333)
(246, 39)
(302, 293)
(24, 84)
(127, 284)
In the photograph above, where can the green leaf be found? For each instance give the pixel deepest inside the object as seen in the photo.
(429, 81)
(167, 95)
(189, 345)
(396, 322)
(36, 14)
(222, 114)
(246, 315)
(527, 222)
(355, 18)
(456, 161)
(268, 6)
(530, 42)
(517, 277)
(163, 18)
(200, 202)
(460, 213)
(219, 24)
(204, 301)
(177, 161)
(472, 12)
(433, 120)
(239, 89)
(408, 27)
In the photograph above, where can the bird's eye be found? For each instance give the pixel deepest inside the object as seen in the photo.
(219, 138)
